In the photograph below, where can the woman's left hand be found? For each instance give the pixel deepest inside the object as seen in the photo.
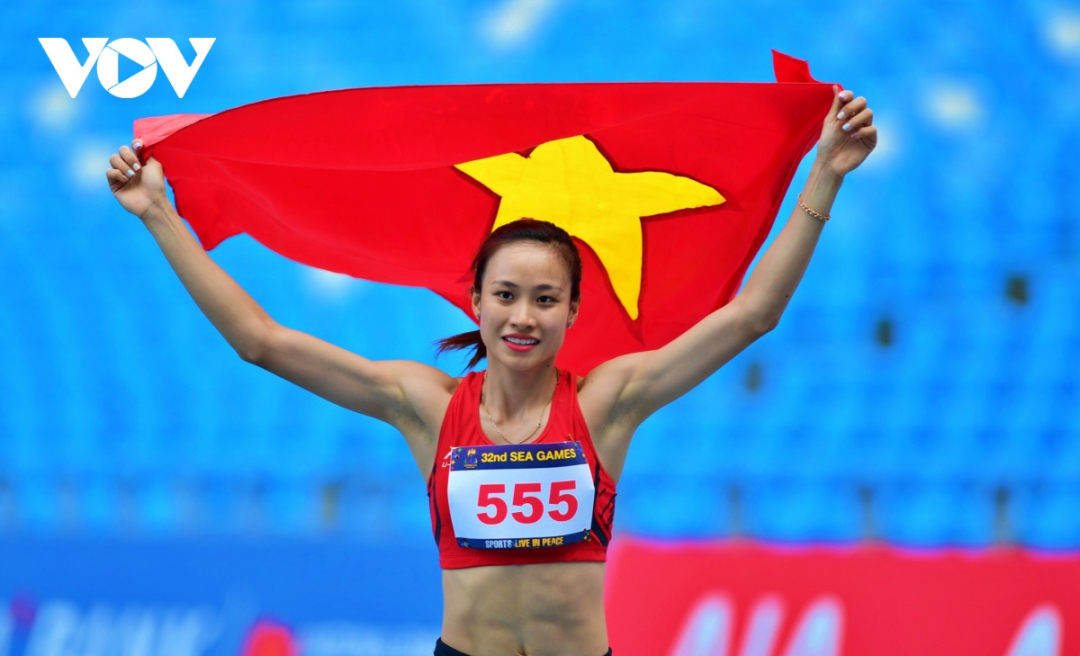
(843, 150)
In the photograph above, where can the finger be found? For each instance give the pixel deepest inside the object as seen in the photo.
(859, 120)
(851, 108)
(119, 164)
(867, 131)
(116, 178)
(129, 156)
(840, 96)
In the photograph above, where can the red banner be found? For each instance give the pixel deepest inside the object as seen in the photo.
(692, 599)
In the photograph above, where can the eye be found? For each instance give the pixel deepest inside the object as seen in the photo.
(551, 299)
(507, 297)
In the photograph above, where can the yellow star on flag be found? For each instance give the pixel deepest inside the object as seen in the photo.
(570, 183)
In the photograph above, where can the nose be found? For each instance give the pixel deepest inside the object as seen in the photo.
(522, 317)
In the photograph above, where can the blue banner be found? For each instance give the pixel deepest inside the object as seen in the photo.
(225, 597)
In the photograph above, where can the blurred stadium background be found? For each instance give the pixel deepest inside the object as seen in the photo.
(922, 390)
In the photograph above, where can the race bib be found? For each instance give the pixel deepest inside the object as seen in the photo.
(512, 496)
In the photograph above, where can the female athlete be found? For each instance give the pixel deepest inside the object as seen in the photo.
(508, 590)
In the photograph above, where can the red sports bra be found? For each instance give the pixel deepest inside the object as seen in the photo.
(547, 500)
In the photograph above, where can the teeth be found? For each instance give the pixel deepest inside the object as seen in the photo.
(523, 342)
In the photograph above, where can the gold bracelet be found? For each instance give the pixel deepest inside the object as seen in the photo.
(822, 217)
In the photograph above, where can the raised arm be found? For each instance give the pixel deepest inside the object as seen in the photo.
(639, 384)
(402, 393)
(141, 191)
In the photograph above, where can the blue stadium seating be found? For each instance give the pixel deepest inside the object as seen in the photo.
(99, 505)
(1048, 516)
(932, 515)
(294, 506)
(122, 409)
(672, 506)
(794, 511)
(38, 505)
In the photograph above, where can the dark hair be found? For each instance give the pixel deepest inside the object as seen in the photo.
(522, 230)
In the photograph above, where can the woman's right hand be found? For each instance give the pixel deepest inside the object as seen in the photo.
(137, 186)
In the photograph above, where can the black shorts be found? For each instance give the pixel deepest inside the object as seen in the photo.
(443, 649)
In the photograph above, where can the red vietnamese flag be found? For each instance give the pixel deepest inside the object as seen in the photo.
(669, 189)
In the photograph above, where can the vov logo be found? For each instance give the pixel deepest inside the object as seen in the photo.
(106, 54)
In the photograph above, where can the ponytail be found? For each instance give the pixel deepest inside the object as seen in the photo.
(462, 341)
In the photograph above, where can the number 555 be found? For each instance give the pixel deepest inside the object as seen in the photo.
(527, 494)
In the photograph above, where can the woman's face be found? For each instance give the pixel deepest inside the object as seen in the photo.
(525, 295)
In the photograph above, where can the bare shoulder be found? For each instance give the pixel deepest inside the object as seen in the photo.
(427, 390)
(602, 393)
(607, 405)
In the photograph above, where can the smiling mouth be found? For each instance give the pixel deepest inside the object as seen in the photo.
(517, 341)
